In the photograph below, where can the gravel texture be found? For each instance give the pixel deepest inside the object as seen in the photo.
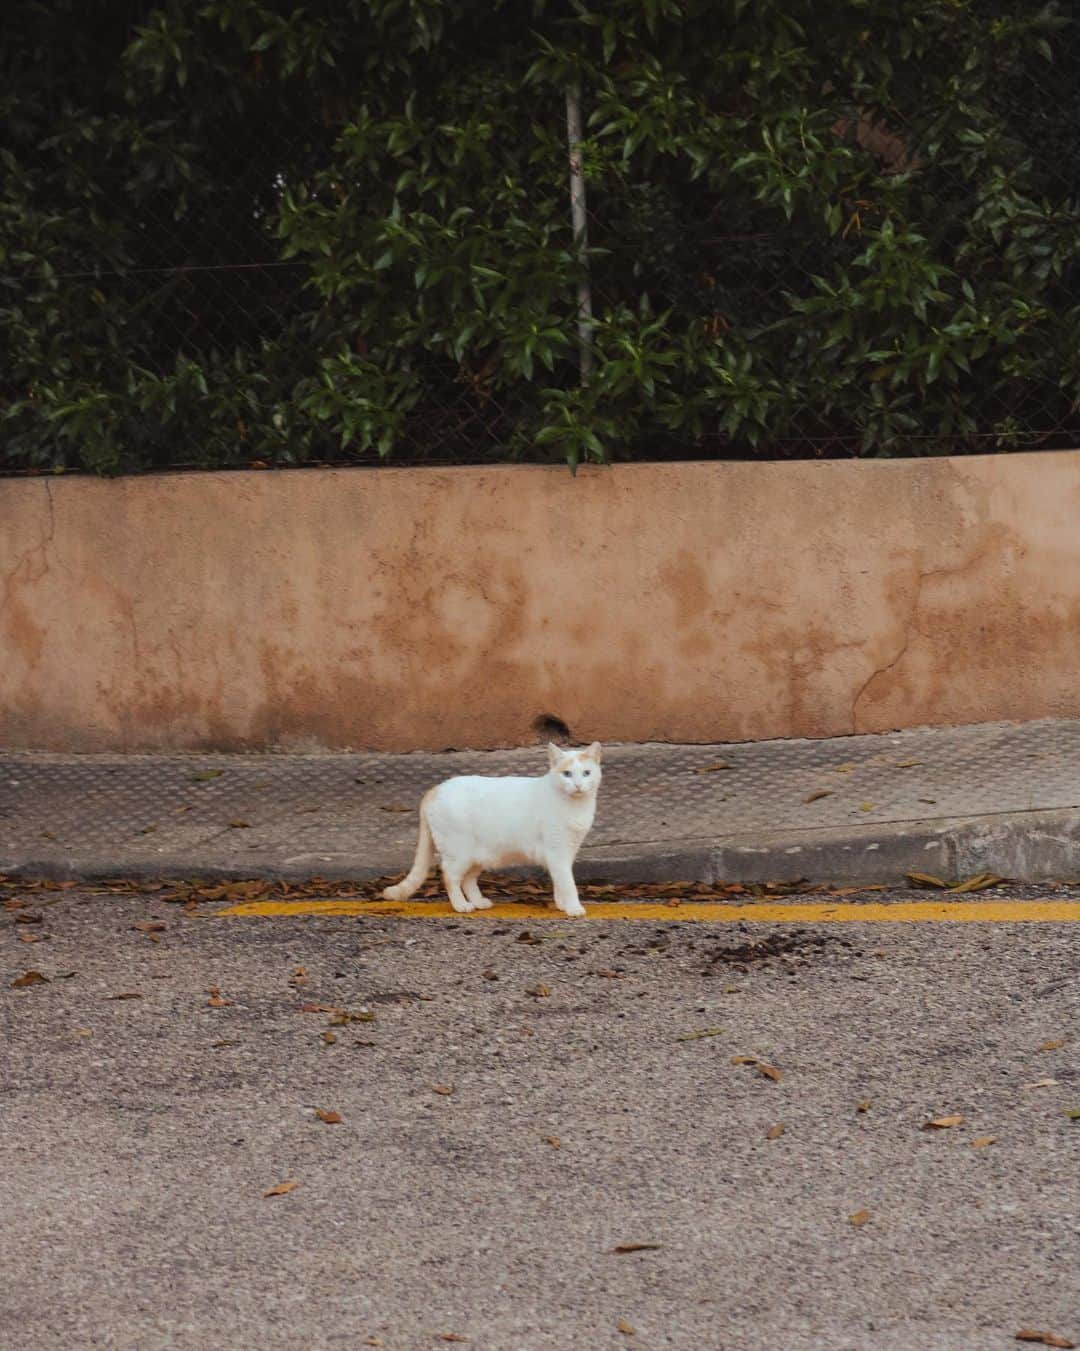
(140, 1135)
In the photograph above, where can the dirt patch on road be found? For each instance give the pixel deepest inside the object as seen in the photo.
(792, 949)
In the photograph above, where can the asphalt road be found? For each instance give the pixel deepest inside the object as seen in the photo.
(516, 1102)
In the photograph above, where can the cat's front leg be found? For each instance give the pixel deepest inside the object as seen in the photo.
(562, 880)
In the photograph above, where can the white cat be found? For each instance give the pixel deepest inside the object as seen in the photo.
(475, 823)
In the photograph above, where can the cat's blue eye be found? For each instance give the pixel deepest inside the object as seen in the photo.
(588, 772)
(566, 773)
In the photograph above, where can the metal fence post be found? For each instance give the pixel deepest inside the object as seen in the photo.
(581, 228)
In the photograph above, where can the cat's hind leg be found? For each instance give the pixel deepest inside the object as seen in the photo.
(453, 875)
(471, 887)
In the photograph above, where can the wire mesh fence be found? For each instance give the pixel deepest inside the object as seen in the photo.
(214, 257)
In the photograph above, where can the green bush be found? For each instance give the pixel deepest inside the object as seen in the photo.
(236, 232)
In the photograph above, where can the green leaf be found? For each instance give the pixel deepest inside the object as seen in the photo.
(702, 1032)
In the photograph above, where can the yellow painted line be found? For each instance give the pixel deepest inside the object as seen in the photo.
(711, 912)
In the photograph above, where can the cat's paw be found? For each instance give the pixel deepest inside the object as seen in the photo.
(574, 911)
(483, 904)
(463, 907)
(393, 894)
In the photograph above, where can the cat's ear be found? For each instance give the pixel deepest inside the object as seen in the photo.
(554, 754)
(594, 750)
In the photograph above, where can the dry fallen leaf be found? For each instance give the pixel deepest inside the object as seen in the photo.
(981, 1141)
(636, 1247)
(822, 792)
(775, 1132)
(126, 994)
(627, 1329)
(1042, 1083)
(859, 1218)
(281, 1189)
(217, 999)
(29, 978)
(239, 825)
(863, 1106)
(1073, 1113)
(978, 883)
(553, 1141)
(770, 1072)
(331, 1118)
(342, 1017)
(329, 1038)
(926, 880)
(943, 1123)
(539, 992)
(205, 775)
(395, 807)
(444, 1090)
(907, 764)
(452, 1337)
(319, 1008)
(1046, 1338)
(714, 768)
(1053, 1045)
(696, 1036)
(149, 926)
(744, 1060)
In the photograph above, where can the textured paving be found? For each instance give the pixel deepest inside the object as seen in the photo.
(355, 814)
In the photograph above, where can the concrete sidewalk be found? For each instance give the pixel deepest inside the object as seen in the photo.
(1002, 798)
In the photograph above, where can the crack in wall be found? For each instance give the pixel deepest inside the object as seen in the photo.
(909, 624)
(12, 578)
(923, 576)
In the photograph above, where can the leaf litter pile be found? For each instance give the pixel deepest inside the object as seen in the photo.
(192, 892)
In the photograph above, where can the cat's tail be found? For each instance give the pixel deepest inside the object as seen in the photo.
(425, 856)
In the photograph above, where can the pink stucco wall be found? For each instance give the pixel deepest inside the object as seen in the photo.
(399, 608)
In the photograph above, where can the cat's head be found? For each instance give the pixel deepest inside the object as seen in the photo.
(576, 772)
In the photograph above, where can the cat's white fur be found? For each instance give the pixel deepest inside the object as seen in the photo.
(474, 823)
